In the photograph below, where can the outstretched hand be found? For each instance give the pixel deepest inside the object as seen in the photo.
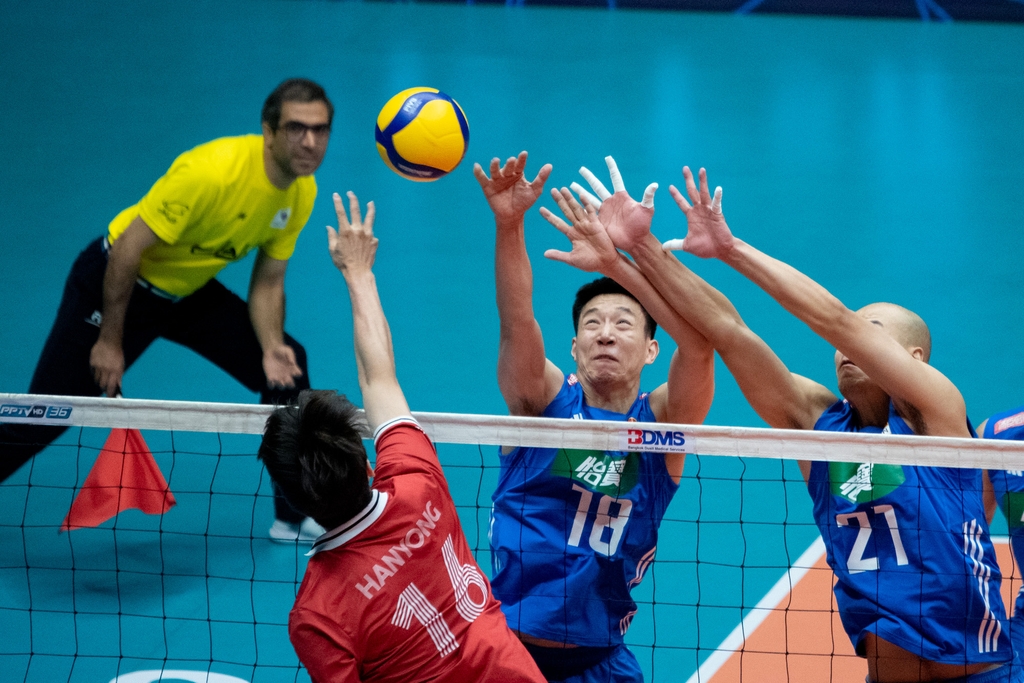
(353, 246)
(592, 248)
(626, 220)
(508, 192)
(708, 235)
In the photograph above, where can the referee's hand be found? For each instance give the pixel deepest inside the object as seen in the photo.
(281, 367)
(107, 363)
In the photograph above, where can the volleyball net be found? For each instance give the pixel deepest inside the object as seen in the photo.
(740, 589)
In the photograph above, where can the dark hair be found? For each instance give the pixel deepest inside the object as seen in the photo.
(314, 451)
(606, 285)
(293, 90)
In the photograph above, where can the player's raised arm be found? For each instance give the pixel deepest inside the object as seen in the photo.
(528, 381)
(781, 398)
(886, 343)
(687, 395)
(353, 248)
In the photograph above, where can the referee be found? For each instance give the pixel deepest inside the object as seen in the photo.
(153, 275)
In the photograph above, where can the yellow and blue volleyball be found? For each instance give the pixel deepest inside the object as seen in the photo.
(422, 134)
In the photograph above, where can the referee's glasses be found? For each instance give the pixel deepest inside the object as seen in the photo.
(296, 131)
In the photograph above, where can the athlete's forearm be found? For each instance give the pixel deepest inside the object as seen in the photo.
(118, 283)
(383, 398)
(119, 279)
(691, 381)
(700, 304)
(375, 357)
(636, 282)
(796, 292)
(776, 395)
(266, 311)
(513, 275)
(521, 360)
(267, 301)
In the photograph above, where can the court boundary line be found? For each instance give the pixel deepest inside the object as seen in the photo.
(771, 600)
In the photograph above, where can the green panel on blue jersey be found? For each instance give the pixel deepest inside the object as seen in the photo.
(1013, 508)
(863, 482)
(609, 473)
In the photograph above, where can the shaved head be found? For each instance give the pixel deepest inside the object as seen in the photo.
(904, 325)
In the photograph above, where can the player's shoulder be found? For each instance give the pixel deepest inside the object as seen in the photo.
(222, 150)
(643, 408)
(836, 417)
(311, 590)
(406, 452)
(218, 161)
(312, 618)
(304, 191)
(403, 436)
(306, 184)
(401, 425)
(1008, 424)
(568, 400)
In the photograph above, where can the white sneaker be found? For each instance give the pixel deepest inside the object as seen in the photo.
(309, 530)
(285, 532)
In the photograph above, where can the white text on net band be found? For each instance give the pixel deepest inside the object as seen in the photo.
(503, 430)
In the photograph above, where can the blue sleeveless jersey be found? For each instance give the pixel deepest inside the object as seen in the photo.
(1009, 490)
(573, 531)
(911, 552)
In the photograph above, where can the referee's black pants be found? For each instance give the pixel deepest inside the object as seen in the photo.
(213, 322)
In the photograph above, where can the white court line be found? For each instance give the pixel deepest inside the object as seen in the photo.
(772, 599)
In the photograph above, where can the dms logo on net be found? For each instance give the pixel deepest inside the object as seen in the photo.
(35, 412)
(659, 440)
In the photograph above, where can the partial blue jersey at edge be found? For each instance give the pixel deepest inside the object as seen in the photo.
(1008, 486)
(911, 552)
(572, 531)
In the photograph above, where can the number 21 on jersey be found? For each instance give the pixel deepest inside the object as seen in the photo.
(856, 562)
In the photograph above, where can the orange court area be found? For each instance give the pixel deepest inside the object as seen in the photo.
(796, 635)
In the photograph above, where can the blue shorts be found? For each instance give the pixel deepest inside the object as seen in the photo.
(1007, 673)
(588, 664)
(1016, 630)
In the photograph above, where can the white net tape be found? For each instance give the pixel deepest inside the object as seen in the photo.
(503, 430)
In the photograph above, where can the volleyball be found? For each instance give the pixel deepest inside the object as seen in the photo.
(422, 134)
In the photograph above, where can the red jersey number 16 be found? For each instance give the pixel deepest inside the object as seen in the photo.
(413, 604)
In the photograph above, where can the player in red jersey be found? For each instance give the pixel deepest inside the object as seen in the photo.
(392, 592)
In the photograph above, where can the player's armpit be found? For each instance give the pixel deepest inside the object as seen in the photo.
(120, 277)
(686, 397)
(281, 245)
(186, 190)
(879, 340)
(988, 493)
(267, 271)
(318, 643)
(383, 400)
(781, 398)
(403, 447)
(135, 239)
(526, 391)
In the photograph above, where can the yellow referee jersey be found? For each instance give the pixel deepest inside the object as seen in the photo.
(213, 206)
